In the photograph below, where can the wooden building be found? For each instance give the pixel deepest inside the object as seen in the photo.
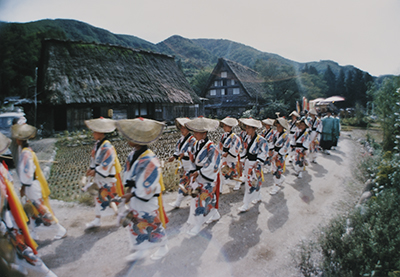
(231, 89)
(79, 81)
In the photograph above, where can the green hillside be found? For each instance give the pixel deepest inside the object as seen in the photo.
(189, 55)
(21, 42)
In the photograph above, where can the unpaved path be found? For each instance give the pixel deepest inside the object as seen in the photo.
(259, 242)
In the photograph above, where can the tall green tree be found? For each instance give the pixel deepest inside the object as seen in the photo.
(349, 89)
(199, 81)
(387, 100)
(280, 82)
(19, 56)
(340, 87)
(330, 80)
(312, 86)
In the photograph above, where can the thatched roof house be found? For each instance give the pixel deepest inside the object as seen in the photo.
(231, 89)
(79, 80)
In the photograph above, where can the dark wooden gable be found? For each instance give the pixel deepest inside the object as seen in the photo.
(231, 89)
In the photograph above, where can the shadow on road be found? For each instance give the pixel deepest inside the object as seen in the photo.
(62, 254)
(303, 187)
(319, 169)
(180, 259)
(277, 206)
(245, 234)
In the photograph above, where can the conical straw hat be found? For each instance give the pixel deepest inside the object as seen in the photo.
(230, 121)
(23, 131)
(140, 130)
(283, 122)
(294, 113)
(202, 124)
(268, 121)
(101, 125)
(251, 122)
(303, 120)
(181, 121)
(4, 143)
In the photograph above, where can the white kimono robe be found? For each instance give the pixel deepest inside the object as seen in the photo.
(302, 141)
(230, 143)
(281, 148)
(257, 153)
(269, 135)
(102, 160)
(315, 133)
(143, 175)
(206, 161)
(29, 177)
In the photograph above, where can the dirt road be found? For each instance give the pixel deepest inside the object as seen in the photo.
(258, 242)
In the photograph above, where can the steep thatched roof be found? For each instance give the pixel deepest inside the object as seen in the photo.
(250, 80)
(77, 72)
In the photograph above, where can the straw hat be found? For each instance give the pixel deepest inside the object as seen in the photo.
(140, 130)
(251, 122)
(242, 126)
(283, 122)
(313, 111)
(268, 121)
(202, 124)
(294, 113)
(230, 121)
(23, 131)
(181, 121)
(4, 143)
(101, 125)
(303, 120)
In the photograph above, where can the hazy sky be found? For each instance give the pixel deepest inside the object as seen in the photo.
(363, 33)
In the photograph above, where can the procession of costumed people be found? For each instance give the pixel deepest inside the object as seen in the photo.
(133, 191)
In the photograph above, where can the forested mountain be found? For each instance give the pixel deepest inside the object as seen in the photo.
(20, 45)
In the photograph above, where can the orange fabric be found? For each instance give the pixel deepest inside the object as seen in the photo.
(19, 214)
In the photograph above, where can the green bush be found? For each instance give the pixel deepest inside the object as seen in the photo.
(364, 243)
(356, 121)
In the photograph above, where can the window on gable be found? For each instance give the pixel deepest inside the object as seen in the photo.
(223, 91)
(216, 83)
(236, 90)
(233, 82)
(224, 74)
(213, 92)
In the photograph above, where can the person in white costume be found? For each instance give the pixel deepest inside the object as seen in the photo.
(281, 143)
(34, 185)
(145, 217)
(104, 168)
(268, 134)
(302, 144)
(292, 128)
(256, 154)
(17, 248)
(230, 147)
(184, 145)
(315, 130)
(203, 175)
